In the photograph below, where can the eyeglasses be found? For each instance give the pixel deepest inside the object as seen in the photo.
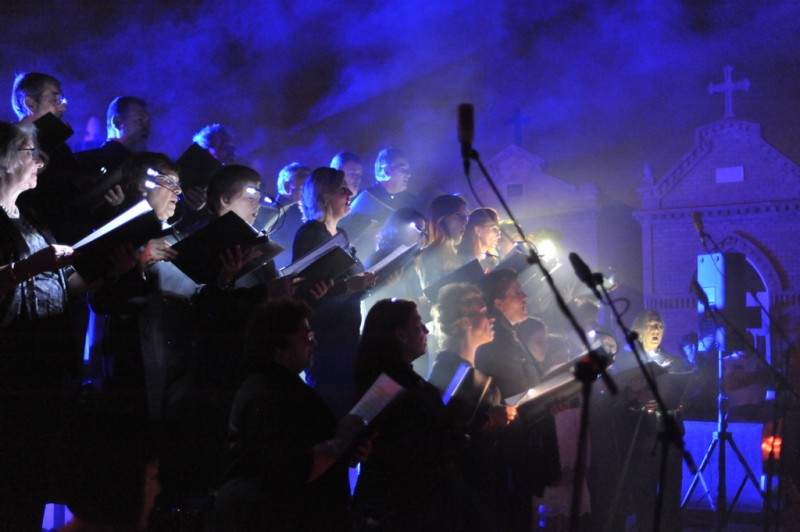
(32, 151)
(35, 152)
(56, 99)
(163, 181)
(517, 294)
(309, 335)
(655, 326)
(252, 193)
(403, 168)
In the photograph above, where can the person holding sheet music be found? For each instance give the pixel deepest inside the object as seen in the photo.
(149, 332)
(638, 425)
(38, 353)
(224, 307)
(407, 483)
(464, 322)
(404, 227)
(288, 460)
(481, 237)
(533, 448)
(337, 317)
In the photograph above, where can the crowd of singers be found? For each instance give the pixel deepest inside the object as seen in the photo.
(249, 379)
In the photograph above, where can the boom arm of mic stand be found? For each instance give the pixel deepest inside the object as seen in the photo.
(534, 259)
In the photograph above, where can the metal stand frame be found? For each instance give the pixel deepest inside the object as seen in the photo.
(719, 439)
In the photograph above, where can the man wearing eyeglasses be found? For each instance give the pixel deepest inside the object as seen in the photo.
(34, 96)
(370, 209)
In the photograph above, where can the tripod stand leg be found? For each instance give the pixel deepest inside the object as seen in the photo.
(746, 467)
(699, 475)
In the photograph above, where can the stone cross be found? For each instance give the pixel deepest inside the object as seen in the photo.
(518, 120)
(727, 87)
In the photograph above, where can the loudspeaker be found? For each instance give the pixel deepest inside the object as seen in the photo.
(726, 279)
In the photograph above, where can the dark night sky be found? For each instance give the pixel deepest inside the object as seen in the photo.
(609, 86)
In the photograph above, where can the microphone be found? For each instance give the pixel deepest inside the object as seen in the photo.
(466, 132)
(585, 275)
(697, 222)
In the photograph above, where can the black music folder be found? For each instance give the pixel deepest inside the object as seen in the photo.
(534, 405)
(358, 225)
(394, 262)
(471, 272)
(197, 167)
(327, 261)
(463, 396)
(199, 253)
(51, 132)
(135, 226)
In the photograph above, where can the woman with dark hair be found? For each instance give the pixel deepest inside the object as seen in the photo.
(447, 221)
(38, 353)
(534, 460)
(337, 318)
(505, 358)
(289, 457)
(481, 237)
(407, 482)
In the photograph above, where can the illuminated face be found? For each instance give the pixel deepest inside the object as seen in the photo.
(162, 193)
(26, 175)
(134, 128)
(340, 202)
(50, 101)
(352, 175)
(488, 236)
(222, 147)
(514, 303)
(396, 175)
(414, 338)
(482, 325)
(652, 335)
(245, 202)
(152, 488)
(455, 225)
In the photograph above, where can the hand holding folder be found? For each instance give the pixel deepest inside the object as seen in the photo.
(199, 254)
(327, 261)
(133, 227)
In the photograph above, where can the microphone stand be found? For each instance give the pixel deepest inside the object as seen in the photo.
(720, 437)
(778, 377)
(670, 430)
(586, 373)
